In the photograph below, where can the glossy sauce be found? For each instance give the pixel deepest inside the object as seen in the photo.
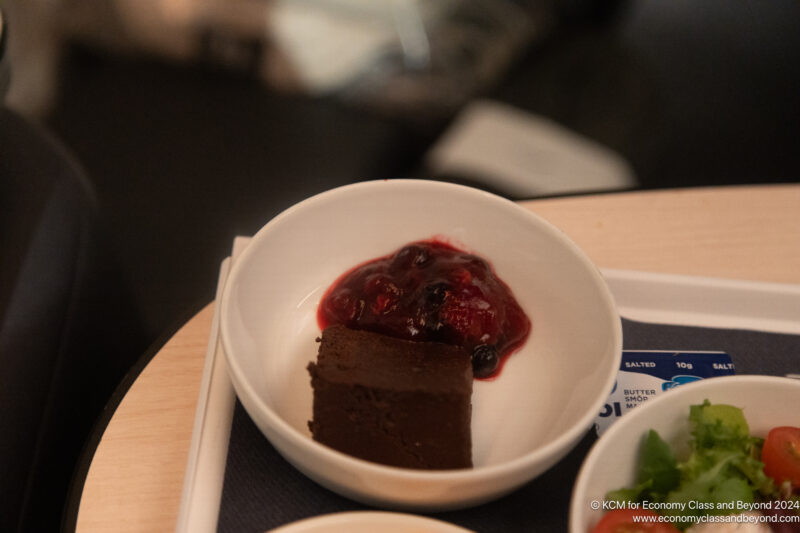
(431, 291)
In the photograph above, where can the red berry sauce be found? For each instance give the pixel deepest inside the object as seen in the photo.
(431, 291)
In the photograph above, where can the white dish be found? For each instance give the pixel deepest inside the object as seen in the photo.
(611, 464)
(523, 422)
(369, 522)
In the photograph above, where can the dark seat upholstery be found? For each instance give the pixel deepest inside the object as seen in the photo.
(68, 331)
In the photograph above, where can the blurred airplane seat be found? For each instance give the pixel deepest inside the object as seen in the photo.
(68, 330)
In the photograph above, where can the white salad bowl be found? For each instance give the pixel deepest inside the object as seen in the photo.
(766, 402)
(523, 422)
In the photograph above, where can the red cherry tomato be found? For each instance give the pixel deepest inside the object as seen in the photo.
(781, 455)
(624, 521)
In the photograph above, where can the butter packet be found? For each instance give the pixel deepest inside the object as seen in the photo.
(646, 374)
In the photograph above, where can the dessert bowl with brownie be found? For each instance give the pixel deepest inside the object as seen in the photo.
(418, 345)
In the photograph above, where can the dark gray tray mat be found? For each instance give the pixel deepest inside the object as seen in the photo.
(262, 491)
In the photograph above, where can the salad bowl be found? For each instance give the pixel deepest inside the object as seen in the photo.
(766, 402)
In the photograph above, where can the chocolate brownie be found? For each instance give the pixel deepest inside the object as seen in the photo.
(393, 401)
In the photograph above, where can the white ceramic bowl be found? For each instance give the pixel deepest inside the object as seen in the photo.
(369, 522)
(523, 422)
(767, 402)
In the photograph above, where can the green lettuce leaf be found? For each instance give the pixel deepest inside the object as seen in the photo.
(722, 468)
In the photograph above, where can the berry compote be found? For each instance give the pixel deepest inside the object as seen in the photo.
(431, 291)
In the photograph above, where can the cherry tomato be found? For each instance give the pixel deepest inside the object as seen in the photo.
(781, 455)
(622, 521)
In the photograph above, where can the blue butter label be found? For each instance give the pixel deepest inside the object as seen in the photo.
(643, 375)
